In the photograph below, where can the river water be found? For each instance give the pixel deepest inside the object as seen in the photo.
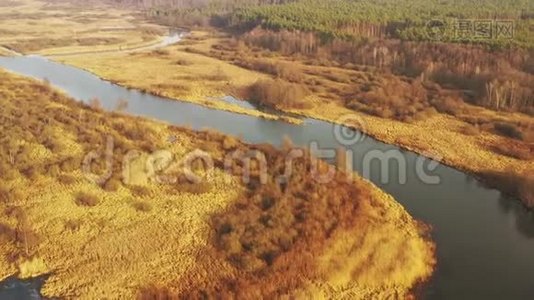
(15, 289)
(485, 240)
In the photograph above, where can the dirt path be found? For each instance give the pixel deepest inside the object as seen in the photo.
(160, 43)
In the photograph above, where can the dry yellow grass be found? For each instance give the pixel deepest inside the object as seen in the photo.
(383, 257)
(109, 250)
(175, 72)
(122, 247)
(356, 259)
(5, 52)
(75, 35)
(441, 136)
(113, 248)
(47, 28)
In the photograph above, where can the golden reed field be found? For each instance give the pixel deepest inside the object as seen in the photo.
(210, 64)
(129, 237)
(204, 66)
(148, 231)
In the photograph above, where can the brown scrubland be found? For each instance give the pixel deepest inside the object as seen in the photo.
(421, 96)
(278, 94)
(411, 110)
(498, 80)
(127, 236)
(481, 99)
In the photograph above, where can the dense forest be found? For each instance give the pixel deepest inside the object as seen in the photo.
(496, 79)
(464, 21)
(378, 33)
(405, 19)
(392, 36)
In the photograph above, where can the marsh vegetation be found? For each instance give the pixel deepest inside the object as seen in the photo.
(254, 240)
(127, 224)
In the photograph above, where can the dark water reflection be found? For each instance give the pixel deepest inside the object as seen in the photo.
(16, 289)
(485, 241)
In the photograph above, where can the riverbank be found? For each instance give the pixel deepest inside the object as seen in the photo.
(178, 73)
(115, 239)
(84, 32)
(452, 147)
(446, 137)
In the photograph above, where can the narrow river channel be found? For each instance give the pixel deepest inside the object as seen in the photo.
(485, 241)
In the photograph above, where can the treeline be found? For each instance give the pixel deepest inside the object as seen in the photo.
(405, 19)
(177, 4)
(500, 80)
(192, 12)
(348, 19)
(394, 88)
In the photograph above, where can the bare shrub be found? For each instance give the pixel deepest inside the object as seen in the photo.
(280, 70)
(193, 188)
(449, 105)
(161, 52)
(288, 72)
(508, 130)
(514, 183)
(210, 147)
(142, 206)
(73, 224)
(183, 62)
(32, 172)
(52, 143)
(471, 130)
(26, 237)
(67, 179)
(391, 97)
(153, 292)
(338, 77)
(268, 231)
(86, 199)
(518, 151)
(140, 191)
(112, 185)
(278, 94)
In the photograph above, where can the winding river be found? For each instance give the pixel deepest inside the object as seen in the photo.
(485, 240)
